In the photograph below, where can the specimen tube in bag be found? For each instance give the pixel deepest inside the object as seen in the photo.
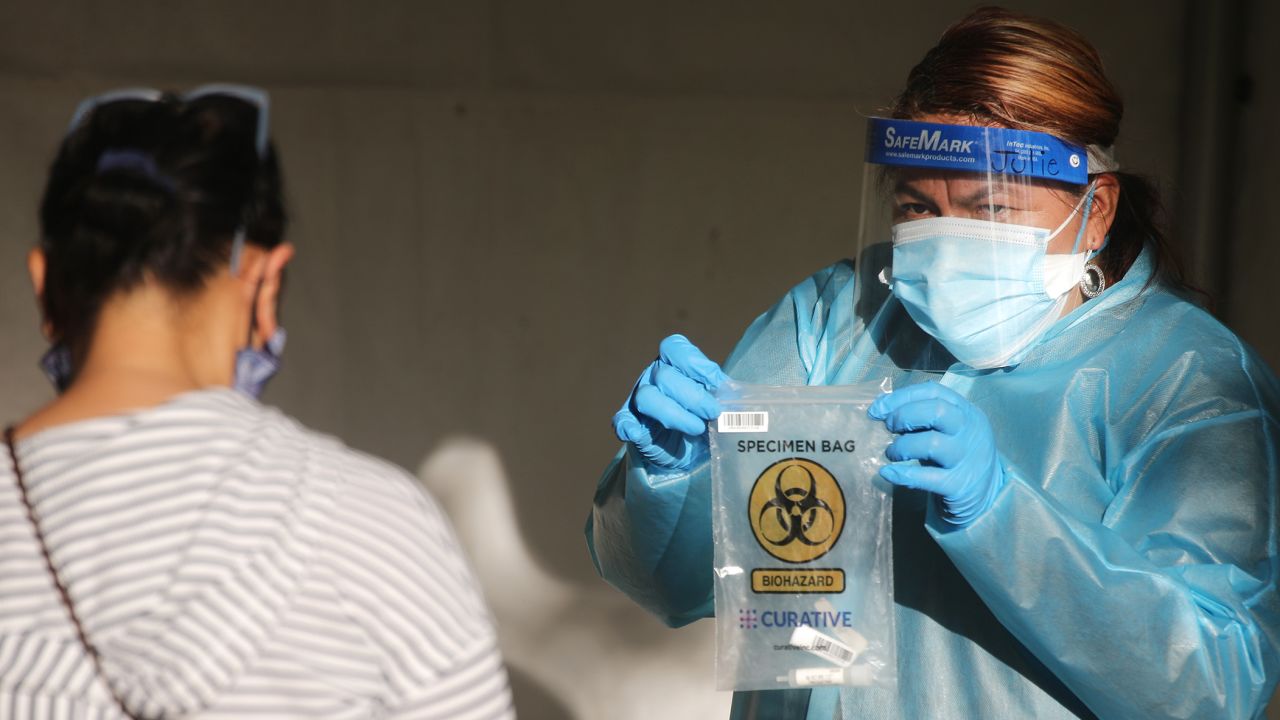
(803, 553)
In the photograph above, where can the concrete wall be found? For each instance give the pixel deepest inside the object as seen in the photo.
(501, 207)
(1253, 250)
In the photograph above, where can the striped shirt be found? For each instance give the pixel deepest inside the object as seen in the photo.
(229, 563)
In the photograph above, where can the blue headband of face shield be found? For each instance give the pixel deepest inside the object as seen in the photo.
(995, 150)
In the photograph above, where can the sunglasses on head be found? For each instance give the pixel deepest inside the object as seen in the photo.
(257, 98)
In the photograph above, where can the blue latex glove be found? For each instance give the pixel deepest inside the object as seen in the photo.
(953, 442)
(666, 415)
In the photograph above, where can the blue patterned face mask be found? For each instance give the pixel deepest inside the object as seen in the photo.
(255, 367)
(985, 290)
(56, 365)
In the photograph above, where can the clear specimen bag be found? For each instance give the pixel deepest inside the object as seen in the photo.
(803, 538)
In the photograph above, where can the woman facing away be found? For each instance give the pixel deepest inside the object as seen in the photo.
(169, 547)
(1087, 464)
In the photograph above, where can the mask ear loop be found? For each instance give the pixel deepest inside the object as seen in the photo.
(237, 252)
(237, 249)
(1095, 253)
(1087, 202)
(253, 315)
(1085, 223)
(1093, 282)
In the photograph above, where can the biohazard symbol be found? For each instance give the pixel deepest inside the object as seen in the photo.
(797, 510)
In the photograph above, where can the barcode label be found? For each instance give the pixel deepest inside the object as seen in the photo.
(809, 677)
(824, 646)
(743, 422)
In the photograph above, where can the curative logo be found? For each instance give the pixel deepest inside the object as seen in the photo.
(797, 510)
(751, 618)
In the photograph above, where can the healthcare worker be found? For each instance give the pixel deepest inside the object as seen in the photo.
(1086, 465)
(169, 546)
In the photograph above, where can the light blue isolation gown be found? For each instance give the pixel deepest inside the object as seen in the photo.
(1126, 570)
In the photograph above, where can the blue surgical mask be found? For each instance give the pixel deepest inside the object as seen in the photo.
(255, 367)
(986, 290)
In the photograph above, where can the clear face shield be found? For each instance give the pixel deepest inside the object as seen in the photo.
(980, 232)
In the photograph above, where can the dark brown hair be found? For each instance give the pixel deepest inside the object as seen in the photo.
(1000, 67)
(106, 229)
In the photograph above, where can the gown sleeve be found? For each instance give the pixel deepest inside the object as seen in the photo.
(1165, 606)
(649, 531)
